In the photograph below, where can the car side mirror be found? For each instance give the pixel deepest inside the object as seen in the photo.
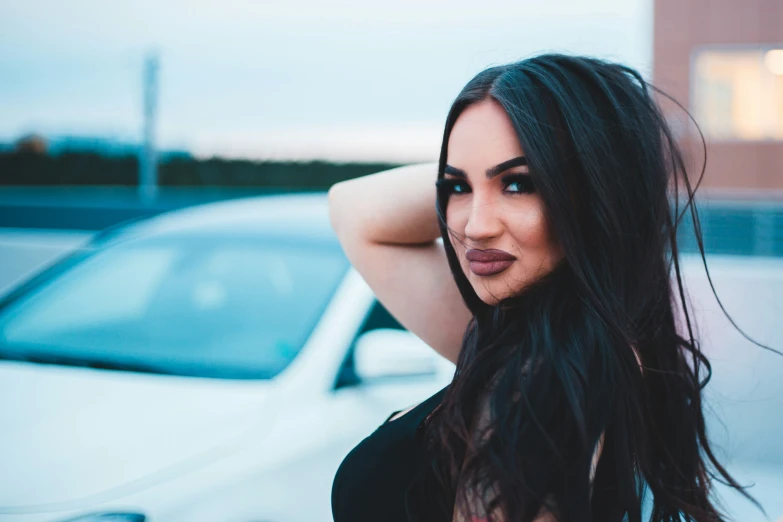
(391, 353)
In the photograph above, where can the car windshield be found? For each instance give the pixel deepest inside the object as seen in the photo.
(208, 306)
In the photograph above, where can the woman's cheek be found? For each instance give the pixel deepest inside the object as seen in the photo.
(456, 216)
(530, 228)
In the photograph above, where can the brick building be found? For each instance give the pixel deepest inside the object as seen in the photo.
(723, 60)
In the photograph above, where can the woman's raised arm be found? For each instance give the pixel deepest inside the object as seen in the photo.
(387, 226)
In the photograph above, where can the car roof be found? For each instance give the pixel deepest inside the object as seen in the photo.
(304, 215)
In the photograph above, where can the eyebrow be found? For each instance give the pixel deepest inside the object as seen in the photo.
(492, 171)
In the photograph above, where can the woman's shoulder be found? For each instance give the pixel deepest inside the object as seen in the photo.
(426, 405)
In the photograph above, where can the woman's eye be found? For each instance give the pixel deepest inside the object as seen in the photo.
(519, 184)
(451, 186)
(459, 188)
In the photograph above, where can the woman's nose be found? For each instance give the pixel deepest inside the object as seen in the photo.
(483, 223)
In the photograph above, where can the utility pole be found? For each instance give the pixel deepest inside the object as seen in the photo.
(148, 160)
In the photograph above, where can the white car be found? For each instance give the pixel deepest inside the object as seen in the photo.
(209, 364)
(217, 363)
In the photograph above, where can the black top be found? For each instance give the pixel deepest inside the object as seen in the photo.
(384, 478)
(372, 481)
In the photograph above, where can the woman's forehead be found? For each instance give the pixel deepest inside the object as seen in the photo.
(482, 137)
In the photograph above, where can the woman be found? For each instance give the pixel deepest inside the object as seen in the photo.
(551, 292)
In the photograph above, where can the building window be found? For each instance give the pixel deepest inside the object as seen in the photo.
(738, 93)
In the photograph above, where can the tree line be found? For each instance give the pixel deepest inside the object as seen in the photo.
(80, 168)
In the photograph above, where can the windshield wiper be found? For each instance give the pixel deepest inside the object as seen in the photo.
(45, 354)
(65, 360)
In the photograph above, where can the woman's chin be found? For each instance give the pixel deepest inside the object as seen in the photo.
(487, 298)
(496, 298)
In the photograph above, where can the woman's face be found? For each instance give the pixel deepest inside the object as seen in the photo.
(493, 206)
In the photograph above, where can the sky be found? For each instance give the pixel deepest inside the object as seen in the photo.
(290, 79)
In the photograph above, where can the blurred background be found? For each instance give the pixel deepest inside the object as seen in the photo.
(181, 337)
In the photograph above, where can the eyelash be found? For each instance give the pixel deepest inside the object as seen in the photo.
(448, 185)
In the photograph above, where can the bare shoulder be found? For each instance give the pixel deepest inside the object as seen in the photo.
(402, 412)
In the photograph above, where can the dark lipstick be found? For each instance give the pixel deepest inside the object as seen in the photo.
(488, 262)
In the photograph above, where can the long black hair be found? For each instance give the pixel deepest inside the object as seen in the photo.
(557, 364)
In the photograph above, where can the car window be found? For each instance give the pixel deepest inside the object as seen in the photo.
(377, 317)
(232, 307)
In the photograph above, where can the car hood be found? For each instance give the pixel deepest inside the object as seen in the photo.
(70, 433)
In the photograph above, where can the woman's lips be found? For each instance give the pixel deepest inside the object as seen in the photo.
(488, 262)
(488, 268)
